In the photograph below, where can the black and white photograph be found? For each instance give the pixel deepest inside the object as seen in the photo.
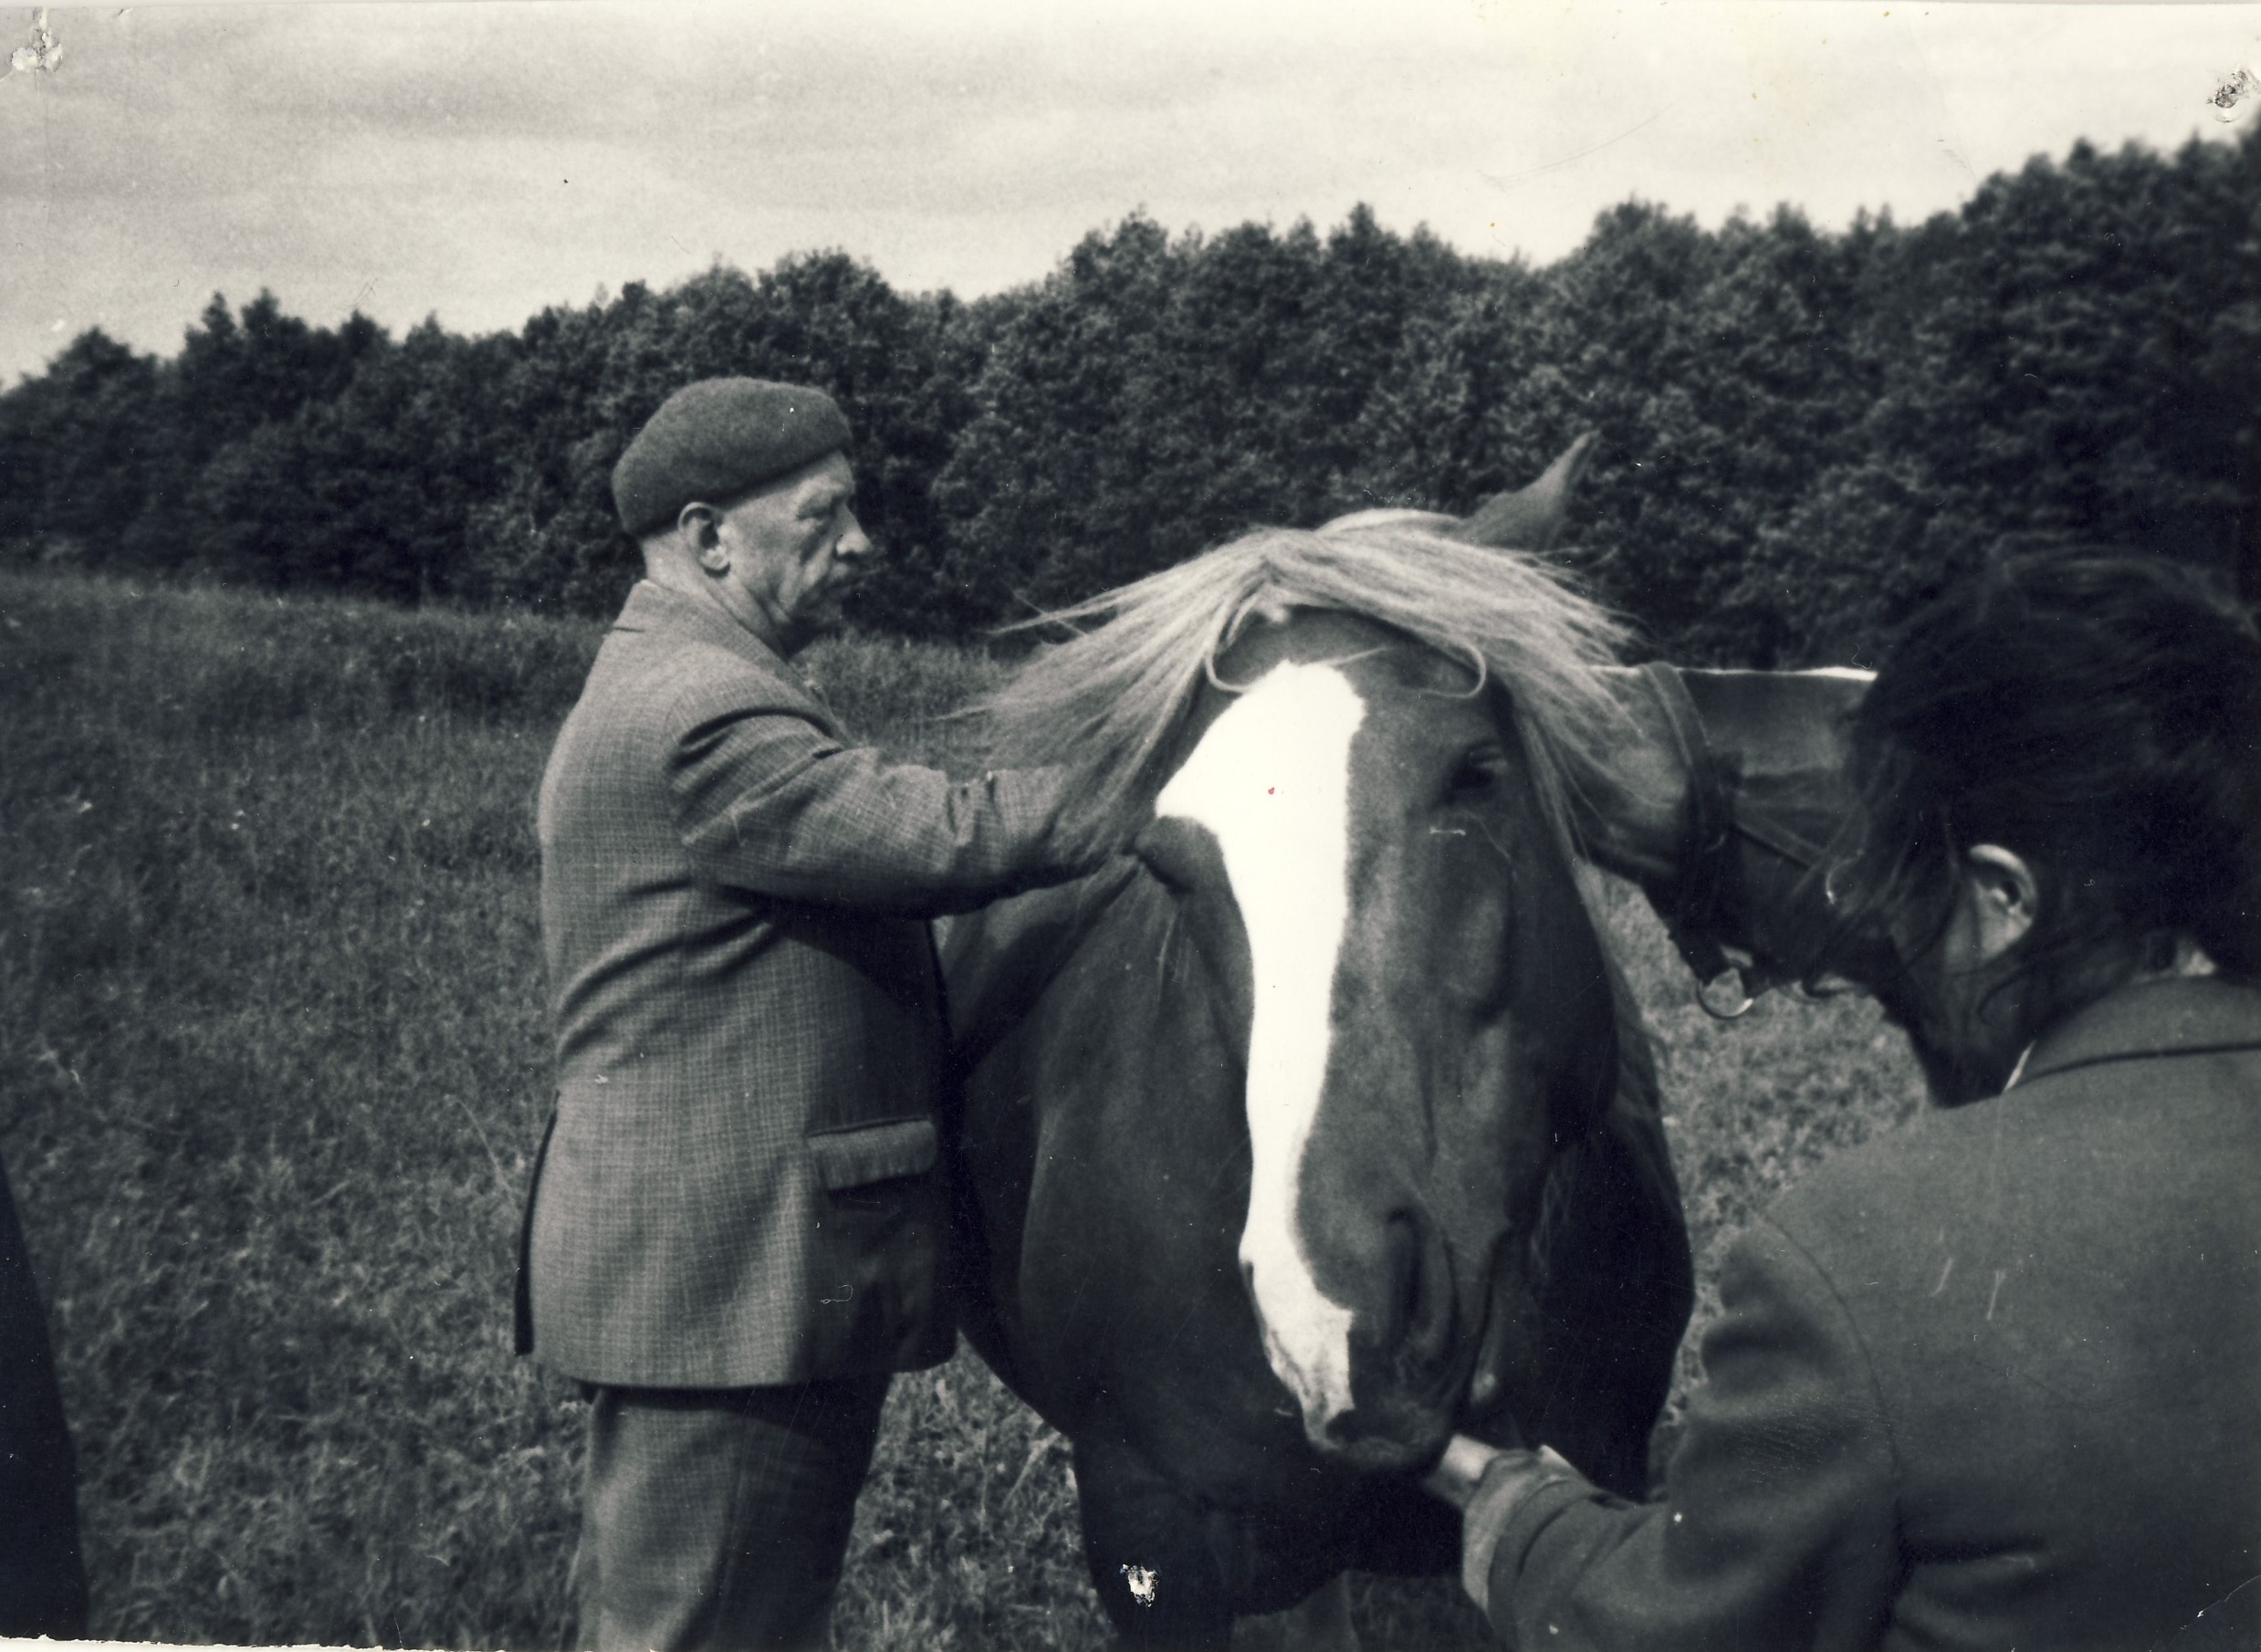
(917, 827)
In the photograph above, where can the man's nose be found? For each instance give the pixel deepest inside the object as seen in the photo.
(856, 542)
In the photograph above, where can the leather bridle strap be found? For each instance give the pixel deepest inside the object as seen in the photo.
(1698, 904)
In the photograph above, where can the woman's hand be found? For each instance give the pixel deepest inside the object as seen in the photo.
(1485, 1483)
(1457, 1473)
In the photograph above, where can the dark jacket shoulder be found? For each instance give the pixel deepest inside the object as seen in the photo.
(675, 662)
(2137, 1095)
(2058, 1293)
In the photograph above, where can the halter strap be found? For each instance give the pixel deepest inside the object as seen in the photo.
(1700, 892)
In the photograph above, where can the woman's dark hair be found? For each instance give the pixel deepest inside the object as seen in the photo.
(2098, 715)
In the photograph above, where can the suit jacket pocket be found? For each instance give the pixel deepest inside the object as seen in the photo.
(877, 1258)
(873, 1152)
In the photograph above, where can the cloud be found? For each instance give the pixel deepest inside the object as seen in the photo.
(483, 160)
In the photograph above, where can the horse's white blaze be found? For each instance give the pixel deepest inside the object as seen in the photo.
(1270, 782)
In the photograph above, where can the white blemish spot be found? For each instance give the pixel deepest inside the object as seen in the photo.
(43, 55)
(2235, 94)
(1270, 782)
(1142, 1582)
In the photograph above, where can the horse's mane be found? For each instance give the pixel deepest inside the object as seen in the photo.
(1105, 703)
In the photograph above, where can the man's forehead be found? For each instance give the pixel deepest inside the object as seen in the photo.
(832, 477)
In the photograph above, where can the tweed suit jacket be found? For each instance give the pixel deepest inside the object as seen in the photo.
(1990, 1382)
(742, 1182)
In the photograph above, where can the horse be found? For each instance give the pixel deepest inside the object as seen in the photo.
(1319, 1127)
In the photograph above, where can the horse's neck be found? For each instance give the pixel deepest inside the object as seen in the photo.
(1727, 796)
(1775, 738)
(1629, 815)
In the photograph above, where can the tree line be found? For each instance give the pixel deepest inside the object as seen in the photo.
(1803, 433)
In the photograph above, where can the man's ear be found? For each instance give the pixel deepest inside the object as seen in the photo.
(699, 527)
(2003, 897)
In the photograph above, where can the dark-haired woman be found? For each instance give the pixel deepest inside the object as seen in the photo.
(1995, 1380)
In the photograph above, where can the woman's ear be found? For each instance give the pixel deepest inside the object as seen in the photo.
(2001, 896)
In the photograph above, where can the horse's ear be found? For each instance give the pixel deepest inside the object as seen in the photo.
(1532, 517)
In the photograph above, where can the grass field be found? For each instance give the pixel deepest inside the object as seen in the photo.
(273, 1060)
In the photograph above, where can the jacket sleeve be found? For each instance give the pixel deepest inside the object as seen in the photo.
(1777, 1527)
(767, 800)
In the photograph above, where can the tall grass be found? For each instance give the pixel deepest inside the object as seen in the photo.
(273, 1059)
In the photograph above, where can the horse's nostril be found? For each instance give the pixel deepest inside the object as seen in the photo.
(1420, 1289)
(1405, 1279)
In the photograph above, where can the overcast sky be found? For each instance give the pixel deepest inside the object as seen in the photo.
(480, 161)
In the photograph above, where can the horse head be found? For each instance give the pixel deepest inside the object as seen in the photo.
(1351, 779)
(1369, 876)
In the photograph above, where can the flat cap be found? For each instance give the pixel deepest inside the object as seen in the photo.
(718, 439)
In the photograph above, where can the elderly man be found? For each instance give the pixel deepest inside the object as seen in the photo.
(1995, 1379)
(735, 1228)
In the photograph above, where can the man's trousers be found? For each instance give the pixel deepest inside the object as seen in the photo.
(720, 1518)
(43, 1586)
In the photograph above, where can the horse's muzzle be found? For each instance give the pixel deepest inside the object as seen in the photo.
(1409, 1363)
(1391, 1435)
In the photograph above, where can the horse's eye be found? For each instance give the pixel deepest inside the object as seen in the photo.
(1476, 775)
